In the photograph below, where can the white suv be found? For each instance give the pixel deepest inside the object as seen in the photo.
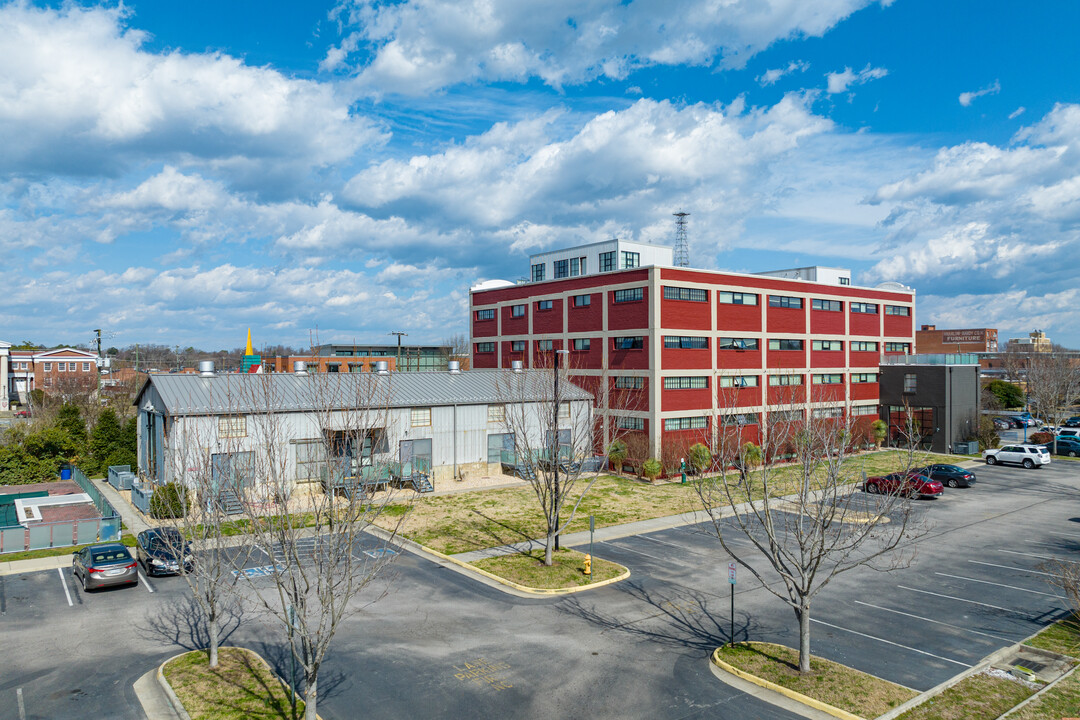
(1027, 455)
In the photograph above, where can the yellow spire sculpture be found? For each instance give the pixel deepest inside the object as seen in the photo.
(249, 350)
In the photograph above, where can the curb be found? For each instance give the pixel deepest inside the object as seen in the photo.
(1038, 694)
(455, 564)
(774, 688)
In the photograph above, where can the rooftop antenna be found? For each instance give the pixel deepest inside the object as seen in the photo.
(399, 333)
(682, 248)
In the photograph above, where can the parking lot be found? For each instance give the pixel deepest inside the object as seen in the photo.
(440, 644)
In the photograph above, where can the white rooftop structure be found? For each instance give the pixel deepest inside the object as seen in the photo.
(598, 257)
(813, 273)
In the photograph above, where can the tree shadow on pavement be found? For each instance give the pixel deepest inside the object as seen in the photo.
(181, 622)
(277, 654)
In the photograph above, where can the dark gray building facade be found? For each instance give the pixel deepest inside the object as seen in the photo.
(933, 397)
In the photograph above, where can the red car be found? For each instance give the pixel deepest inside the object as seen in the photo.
(908, 484)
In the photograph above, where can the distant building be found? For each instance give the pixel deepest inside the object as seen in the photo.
(936, 395)
(1035, 342)
(362, 358)
(59, 371)
(5, 377)
(930, 340)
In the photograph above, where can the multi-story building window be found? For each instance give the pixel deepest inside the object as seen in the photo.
(544, 304)
(628, 295)
(859, 307)
(86, 367)
(683, 342)
(783, 301)
(830, 305)
(481, 347)
(827, 379)
(538, 272)
(582, 300)
(545, 345)
(686, 423)
(628, 382)
(517, 311)
(898, 310)
(562, 269)
(827, 345)
(898, 347)
(61, 367)
(630, 342)
(728, 343)
(607, 261)
(47, 367)
(845, 281)
(488, 314)
(863, 346)
(336, 367)
(911, 383)
(785, 344)
(517, 346)
(784, 380)
(739, 419)
(737, 298)
(738, 381)
(695, 382)
(630, 423)
(630, 260)
(859, 410)
(581, 343)
(863, 378)
(683, 293)
(834, 412)
(420, 417)
(578, 267)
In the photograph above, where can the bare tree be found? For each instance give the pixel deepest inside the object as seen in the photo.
(550, 421)
(310, 532)
(1053, 384)
(802, 519)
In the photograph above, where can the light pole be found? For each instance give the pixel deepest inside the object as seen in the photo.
(555, 444)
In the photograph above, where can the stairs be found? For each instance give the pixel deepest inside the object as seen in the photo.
(229, 502)
(421, 483)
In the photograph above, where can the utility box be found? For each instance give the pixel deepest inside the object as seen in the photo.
(966, 447)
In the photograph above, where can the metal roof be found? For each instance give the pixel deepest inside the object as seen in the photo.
(232, 393)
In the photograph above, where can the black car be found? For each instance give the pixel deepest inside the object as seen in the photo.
(1074, 421)
(161, 550)
(1066, 445)
(949, 475)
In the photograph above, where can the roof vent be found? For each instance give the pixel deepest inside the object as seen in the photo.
(206, 368)
(299, 367)
(454, 366)
(382, 367)
(516, 365)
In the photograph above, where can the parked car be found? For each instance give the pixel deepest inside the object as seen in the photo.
(1066, 445)
(104, 565)
(1029, 456)
(1069, 432)
(160, 550)
(22, 413)
(909, 484)
(1073, 422)
(1002, 424)
(950, 475)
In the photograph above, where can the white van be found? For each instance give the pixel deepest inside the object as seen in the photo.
(1069, 432)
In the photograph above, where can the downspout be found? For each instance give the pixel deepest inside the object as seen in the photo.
(455, 442)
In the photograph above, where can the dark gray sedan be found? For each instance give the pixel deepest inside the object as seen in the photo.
(103, 565)
(950, 475)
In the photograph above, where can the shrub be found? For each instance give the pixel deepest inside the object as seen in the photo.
(1041, 438)
(1008, 394)
(700, 457)
(878, 431)
(987, 435)
(616, 453)
(651, 469)
(169, 501)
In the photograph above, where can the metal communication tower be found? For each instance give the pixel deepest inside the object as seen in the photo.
(682, 247)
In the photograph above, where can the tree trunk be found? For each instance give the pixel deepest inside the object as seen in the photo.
(547, 548)
(804, 638)
(214, 633)
(310, 697)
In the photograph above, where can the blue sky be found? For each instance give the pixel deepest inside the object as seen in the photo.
(177, 172)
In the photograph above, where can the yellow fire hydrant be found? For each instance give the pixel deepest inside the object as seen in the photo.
(588, 564)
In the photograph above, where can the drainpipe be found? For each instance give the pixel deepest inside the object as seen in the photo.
(455, 442)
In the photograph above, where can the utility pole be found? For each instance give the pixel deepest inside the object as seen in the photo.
(399, 333)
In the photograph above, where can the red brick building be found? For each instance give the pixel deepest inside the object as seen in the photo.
(931, 341)
(680, 353)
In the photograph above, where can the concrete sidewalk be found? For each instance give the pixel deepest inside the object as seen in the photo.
(132, 518)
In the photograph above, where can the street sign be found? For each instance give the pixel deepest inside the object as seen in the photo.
(731, 573)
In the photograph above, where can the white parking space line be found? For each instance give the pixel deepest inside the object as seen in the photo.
(620, 547)
(1011, 587)
(1012, 567)
(18, 696)
(890, 642)
(973, 602)
(680, 548)
(1041, 557)
(63, 583)
(936, 622)
(145, 583)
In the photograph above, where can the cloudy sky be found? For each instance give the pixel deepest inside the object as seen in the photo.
(175, 172)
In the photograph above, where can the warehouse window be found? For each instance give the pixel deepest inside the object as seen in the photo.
(545, 345)
(682, 293)
(739, 419)
(738, 381)
(686, 423)
(869, 308)
(777, 344)
(517, 311)
(538, 272)
(420, 417)
(830, 305)
(827, 412)
(631, 423)
(582, 300)
(678, 342)
(863, 378)
(482, 347)
(629, 295)
(607, 261)
(582, 343)
(631, 259)
(543, 304)
(726, 343)
(862, 346)
(903, 310)
(734, 298)
(517, 346)
(686, 383)
(562, 269)
(782, 380)
(898, 347)
(827, 345)
(827, 379)
(628, 382)
(232, 427)
(784, 301)
(488, 314)
(634, 342)
(496, 413)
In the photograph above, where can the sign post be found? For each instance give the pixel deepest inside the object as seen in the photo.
(731, 580)
(291, 617)
(592, 529)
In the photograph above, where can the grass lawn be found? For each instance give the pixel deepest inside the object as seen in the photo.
(127, 539)
(567, 569)
(976, 697)
(1060, 701)
(829, 682)
(1061, 637)
(486, 518)
(242, 686)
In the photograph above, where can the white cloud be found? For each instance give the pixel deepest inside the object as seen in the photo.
(770, 77)
(966, 98)
(85, 98)
(839, 82)
(420, 46)
(1017, 112)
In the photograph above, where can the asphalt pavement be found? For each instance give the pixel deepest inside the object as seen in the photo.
(438, 644)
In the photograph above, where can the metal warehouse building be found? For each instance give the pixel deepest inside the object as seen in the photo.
(443, 424)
